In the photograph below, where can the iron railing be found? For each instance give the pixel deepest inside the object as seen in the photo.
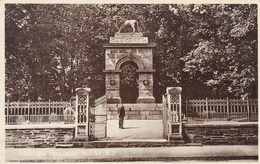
(222, 109)
(38, 112)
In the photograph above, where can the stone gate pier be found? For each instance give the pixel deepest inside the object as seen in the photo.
(133, 48)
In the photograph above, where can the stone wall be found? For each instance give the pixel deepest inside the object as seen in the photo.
(206, 134)
(221, 134)
(150, 111)
(37, 137)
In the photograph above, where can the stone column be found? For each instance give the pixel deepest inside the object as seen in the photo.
(112, 86)
(145, 88)
(174, 113)
(82, 108)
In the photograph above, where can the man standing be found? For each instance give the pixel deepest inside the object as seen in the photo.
(121, 112)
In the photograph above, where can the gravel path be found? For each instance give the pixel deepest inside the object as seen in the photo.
(135, 129)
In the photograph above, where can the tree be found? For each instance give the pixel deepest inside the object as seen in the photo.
(209, 50)
(224, 57)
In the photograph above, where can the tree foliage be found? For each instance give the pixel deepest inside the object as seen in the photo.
(225, 56)
(209, 50)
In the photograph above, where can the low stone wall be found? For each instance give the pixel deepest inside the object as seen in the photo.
(149, 111)
(221, 133)
(32, 136)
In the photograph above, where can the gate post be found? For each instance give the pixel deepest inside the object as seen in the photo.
(174, 114)
(81, 113)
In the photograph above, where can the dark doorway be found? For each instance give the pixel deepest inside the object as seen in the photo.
(128, 82)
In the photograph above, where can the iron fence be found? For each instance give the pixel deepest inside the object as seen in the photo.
(38, 112)
(222, 109)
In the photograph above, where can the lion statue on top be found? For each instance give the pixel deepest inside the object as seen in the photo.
(123, 23)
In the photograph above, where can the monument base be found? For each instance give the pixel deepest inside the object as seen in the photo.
(115, 100)
(146, 100)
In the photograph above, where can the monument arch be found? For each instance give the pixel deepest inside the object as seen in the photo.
(129, 47)
(128, 82)
(137, 61)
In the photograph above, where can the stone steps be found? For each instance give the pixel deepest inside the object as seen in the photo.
(80, 138)
(109, 144)
(64, 145)
(136, 115)
(118, 144)
(151, 111)
(176, 139)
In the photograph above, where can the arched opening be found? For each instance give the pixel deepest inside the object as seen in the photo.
(128, 82)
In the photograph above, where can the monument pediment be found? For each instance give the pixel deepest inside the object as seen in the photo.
(129, 38)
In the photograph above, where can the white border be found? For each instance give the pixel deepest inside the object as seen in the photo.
(2, 30)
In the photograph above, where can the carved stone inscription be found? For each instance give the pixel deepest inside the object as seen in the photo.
(128, 39)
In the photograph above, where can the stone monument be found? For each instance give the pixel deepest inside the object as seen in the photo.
(135, 48)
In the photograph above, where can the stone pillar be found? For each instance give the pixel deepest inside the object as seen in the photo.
(174, 113)
(112, 86)
(129, 47)
(81, 113)
(145, 87)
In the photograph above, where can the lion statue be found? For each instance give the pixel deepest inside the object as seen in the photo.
(124, 23)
